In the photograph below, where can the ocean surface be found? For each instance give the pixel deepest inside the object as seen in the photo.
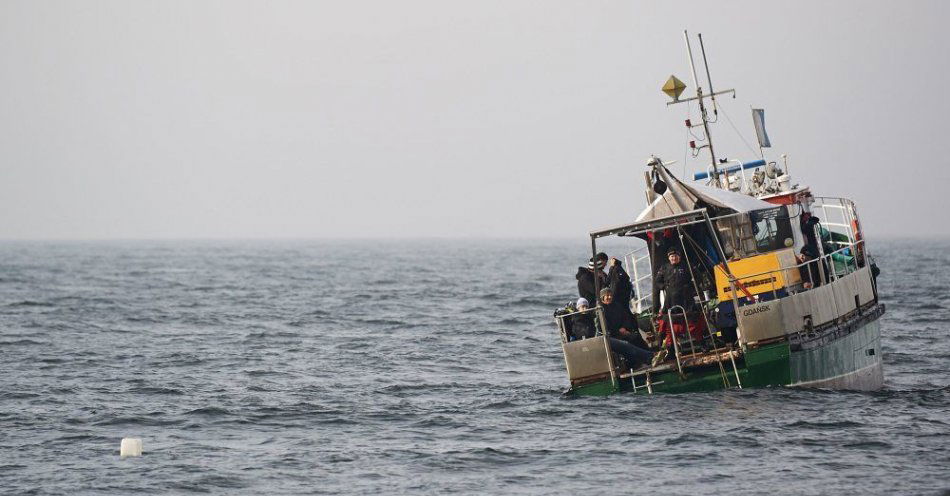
(414, 367)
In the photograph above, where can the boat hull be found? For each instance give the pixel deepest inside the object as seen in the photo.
(852, 361)
(847, 356)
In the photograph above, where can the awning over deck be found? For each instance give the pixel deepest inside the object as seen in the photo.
(683, 203)
(681, 197)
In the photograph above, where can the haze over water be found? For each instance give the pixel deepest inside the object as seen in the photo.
(295, 367)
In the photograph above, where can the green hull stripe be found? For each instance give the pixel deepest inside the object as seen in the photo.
(771, 365)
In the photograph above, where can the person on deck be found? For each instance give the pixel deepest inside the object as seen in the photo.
(617, 331)
(809, 273)
(676, 280)
(586, 287)
(582, 322)
(620, 322)
(619, 282)
(660, 243)
(808, 225)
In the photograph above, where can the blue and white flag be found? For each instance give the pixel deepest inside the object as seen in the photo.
(758, 118)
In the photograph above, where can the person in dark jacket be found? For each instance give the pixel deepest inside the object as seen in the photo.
(676, 280)
(809, 223)
(622, 331)
(660, 243)
(809, 274)
(620, 322)
(619, 282)
(585, 277)
(582, 323)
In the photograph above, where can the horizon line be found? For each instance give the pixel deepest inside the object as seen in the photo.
(889, 237)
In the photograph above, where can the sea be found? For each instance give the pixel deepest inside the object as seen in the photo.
(426, 366)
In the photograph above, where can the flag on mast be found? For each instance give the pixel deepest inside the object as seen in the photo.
(758, 118)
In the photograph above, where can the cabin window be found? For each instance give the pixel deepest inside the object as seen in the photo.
(772, 229)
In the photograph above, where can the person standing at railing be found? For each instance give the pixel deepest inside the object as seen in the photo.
(660, 243)
(619, 283)
(676, 281)
(809, 273)
(808, 223)
(814, 234)
(586, 287)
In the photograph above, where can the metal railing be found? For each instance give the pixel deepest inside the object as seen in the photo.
(825, 278)
(632, 262)
(821, 267)
(676, 347)
(599, 323)
(845, 209)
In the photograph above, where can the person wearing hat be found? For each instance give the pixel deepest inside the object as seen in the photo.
(808, 223)
(675, 279)
(660, 242)
(586, 287)
(582, 322)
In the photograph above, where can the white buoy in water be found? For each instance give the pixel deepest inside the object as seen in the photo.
(131, 446)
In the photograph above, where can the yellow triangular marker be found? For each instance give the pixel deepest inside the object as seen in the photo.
(673, 87)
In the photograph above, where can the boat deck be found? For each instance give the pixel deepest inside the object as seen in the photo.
(721, 355)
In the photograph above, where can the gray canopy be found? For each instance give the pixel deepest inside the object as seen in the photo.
(682, 197)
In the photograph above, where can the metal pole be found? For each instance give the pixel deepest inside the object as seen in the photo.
(734, 368)
(822, 274)
(593, 257)
(692, 67)
(676, 348)
(702, 110)
(599, 314)
(651, 195)
(712, 93)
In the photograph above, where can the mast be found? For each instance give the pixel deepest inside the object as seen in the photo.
(712, 94)
(674, 87)
(702, 110)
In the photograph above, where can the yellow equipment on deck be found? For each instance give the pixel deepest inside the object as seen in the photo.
(759, 274)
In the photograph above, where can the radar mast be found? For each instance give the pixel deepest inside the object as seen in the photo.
(674, 87)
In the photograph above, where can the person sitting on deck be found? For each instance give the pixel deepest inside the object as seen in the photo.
(620, 322)
(585, 277)
(621, 330)
(582, 322)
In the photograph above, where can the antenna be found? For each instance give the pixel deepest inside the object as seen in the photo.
(674, 87)
(712, 94)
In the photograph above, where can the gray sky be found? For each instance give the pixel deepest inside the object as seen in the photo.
(439, 118)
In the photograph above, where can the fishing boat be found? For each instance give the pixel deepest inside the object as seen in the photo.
(781, 286)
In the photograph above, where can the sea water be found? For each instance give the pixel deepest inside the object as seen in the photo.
(421, 367)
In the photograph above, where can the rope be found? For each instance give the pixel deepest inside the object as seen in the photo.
(734, 128)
